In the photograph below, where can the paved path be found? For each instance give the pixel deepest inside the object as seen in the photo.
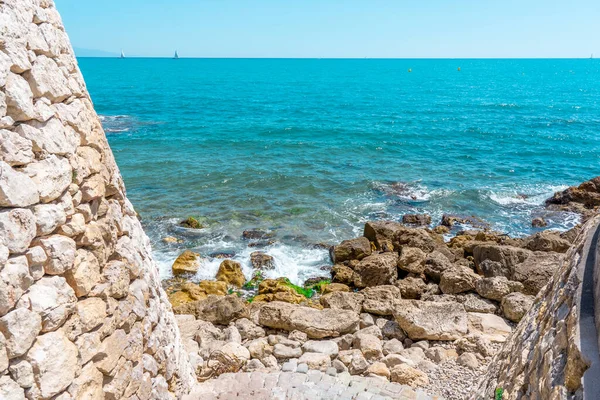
(313, 385)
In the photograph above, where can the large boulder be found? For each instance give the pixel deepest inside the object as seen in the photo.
(261, 260)
(411, 287)
(343, 301)
(342, 274)
(536, 271)
(504, 258)
(382, 233)
(458, 280)
(352, 249)
(278, 290)
(435, 264)
(220, 310)
(548, 241)
(497, 287)
(315, 323)
(377, 269)
(419, 238)
(431, 320)
(516, 305)
(489, 326)
(412, 260)
(380, 300)
(231, 272)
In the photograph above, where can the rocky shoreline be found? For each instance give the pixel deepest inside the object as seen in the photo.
(400, 303)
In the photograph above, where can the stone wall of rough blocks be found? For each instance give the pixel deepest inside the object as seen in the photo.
(543, 358)
(82, 312)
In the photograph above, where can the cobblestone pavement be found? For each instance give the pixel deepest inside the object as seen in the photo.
(312, 385)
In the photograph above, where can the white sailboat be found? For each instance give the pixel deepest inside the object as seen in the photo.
(176, 56)
(122, 54)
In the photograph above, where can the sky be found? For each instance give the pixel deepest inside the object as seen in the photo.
(334, 28)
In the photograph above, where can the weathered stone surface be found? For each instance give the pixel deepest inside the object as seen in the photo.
(315, 323)
(328, 347)
(61, 254)
(315, 360)
(116, 277)
(16, 188)
(53, 299)
(548, 241)
(342, 274)
(47, 80)
(216, 309)
(416, 219)
(231, 272)
(110, 350)
(382, 233)
(516, 305)
(474, 303)
(19, 98)
(88, 385)
(91, 312)
(343, 301)
(92, 188)
(51, 137)
(51, 176)
(496, 288)
(17, 229)
(380, 300)
(186, 262)
(14, 150)
(353, 249)
(377, 269)
(491, 327)
(248, 329)
(431, 320)
(411, 287)
(262, 261)
(22, 372)
(54, 361)
(48, 217)
(237, 351)
(20, 327)
(408, 375)
(10, 390)
(458, 280)
(369, 345)
(412, 260)
(506, 257)
(536, 271)
(85, 273)
(435, 264)
(3, 355)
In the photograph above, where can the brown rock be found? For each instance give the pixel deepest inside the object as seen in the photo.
(377, 269)
(458, 280)
(380, 300)
(417, 219)
(407, 375)
(431, 320)
(548, 241)
(262, 261)
(411, 287)
(516, 305)
(412, 260)
(353, 249)
(382, 233)
(188, 262)
(231, 272)
(342, 274)
(343, 301)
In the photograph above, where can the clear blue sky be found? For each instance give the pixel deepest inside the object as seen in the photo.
(336, 28)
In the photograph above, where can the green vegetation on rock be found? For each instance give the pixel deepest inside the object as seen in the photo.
(306, 292)
(253, 283)
(191, 222)
(499, 394)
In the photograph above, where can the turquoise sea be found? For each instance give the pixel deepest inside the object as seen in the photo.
(310, 149)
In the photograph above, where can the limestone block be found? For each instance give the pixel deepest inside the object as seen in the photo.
(16, 188)
(20, 327)
(50, 136)
(48, 217)
(92, 312)
(47, 80)
(53, 299)
(3, 354)
(88, 385)
(116, 274)
(431, 320)
(61, 253)
(16, 279)
(93, 188)
(14, 150)
(52, 176)
(85, 163)
(85, 273)
(19, 98)
(22, 372)
(54, 361)
(10, 390)
(111, 349)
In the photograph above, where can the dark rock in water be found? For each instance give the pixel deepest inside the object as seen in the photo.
(539, 222)
(353, 249)
(222, 255)
(325, 268)
(583, 199)
(314, 280)
(449, 221)
(416, 219)
(191, 223)
(257, 234)
(324, 246)
(262, 243)
(261, 260)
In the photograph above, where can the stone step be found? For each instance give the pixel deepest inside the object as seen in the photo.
(312, 385)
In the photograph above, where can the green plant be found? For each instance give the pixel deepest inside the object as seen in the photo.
(250, 299)
(253, 283)
(306, 292)
(319, 286)
(499, 393)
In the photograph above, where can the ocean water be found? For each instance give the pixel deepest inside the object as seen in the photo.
(311, 149)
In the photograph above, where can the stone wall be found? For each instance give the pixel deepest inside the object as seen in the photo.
(553, 352)
(82, 312)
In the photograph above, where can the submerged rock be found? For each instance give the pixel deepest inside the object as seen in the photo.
(191, 223)
(417, 219)
(262, 261)
(539, 222)
(257, 234)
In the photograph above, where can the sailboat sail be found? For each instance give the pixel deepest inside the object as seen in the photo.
(176, 56)
(122, 54)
